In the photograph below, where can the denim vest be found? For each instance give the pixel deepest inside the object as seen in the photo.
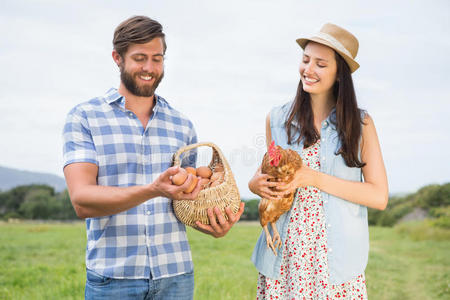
(347, 227)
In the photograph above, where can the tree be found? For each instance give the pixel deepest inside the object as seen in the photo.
(39, 204)
(16, 196)
(67, 212)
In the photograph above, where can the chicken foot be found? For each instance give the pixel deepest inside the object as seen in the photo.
(276, 241)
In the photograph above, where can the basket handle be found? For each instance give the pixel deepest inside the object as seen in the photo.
(176, 156)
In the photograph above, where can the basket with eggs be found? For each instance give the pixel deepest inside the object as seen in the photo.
(219, 188)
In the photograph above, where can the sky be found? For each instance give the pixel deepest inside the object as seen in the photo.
(227, 64)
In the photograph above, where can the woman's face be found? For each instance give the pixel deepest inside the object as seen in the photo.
(318, 69)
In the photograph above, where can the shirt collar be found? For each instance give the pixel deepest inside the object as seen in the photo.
(331, 118)
(113, 96)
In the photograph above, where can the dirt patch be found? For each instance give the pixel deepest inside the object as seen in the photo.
(418, 214)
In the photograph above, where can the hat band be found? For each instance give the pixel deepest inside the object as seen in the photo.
(335, 42)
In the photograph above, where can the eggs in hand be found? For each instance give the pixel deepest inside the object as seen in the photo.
(180, 177)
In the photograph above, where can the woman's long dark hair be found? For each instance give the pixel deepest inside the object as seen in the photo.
(348, 116)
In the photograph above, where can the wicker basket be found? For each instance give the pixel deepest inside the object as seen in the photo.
(221, 196)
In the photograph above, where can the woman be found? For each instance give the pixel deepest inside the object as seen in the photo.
(325, 234)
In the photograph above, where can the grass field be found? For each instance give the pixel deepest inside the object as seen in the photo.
(46, 261)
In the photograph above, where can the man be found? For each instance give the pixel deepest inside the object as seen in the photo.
(117, 152)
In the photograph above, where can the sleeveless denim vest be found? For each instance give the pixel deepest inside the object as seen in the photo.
(346, 222)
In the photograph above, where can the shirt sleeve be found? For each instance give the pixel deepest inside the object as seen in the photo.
(77, 138)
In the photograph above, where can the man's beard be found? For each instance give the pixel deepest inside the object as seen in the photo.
(146, 90)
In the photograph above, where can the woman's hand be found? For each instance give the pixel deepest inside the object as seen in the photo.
(261, 186)
(305, 176)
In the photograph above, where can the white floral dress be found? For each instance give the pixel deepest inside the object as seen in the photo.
(304, 267)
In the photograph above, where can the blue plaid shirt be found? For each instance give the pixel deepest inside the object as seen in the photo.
(146, 241)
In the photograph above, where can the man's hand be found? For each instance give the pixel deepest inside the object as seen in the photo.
(164, 186)
(220, 229)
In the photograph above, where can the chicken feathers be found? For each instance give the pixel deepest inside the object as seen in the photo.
(281, 164)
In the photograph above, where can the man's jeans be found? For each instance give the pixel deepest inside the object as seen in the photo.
(175, 287)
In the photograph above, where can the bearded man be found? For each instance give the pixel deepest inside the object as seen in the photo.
(117, 155)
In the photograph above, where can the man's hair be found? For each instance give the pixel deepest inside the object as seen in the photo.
(136, 30)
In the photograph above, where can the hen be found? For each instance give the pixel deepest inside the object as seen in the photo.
(282, 165)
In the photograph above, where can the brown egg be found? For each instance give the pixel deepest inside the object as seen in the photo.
(218, 167)
(191, 170)
(216, 183)
(217, 175)
(204, 182)
(192, 186)
(180, 177)
(204, 172)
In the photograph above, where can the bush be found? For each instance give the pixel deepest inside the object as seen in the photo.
(434, 199)
(12, 215)
(433, 196)
(424, 230)
(391, 215)
(438, 212)
(441, 222)
(251, 210)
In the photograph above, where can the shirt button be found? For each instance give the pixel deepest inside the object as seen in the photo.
(330, 250)
(148, 212)
(329, 225)
(323, 140)
(325, 124)
(323, 158)
(130, 114)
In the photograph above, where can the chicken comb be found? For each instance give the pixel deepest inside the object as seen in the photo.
(274, 154)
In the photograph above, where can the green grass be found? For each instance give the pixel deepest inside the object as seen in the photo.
(223, 269)
(403, 267)
(46, 261)
(42, 261)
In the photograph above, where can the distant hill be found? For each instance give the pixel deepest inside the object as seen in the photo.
(10, 178)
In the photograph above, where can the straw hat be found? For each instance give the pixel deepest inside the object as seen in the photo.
(339, 39)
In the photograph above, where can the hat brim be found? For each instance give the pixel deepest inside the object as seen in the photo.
(353, 65)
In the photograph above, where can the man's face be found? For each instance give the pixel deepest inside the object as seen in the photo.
(142, 67)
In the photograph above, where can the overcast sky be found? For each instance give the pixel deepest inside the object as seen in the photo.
(228, 63)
